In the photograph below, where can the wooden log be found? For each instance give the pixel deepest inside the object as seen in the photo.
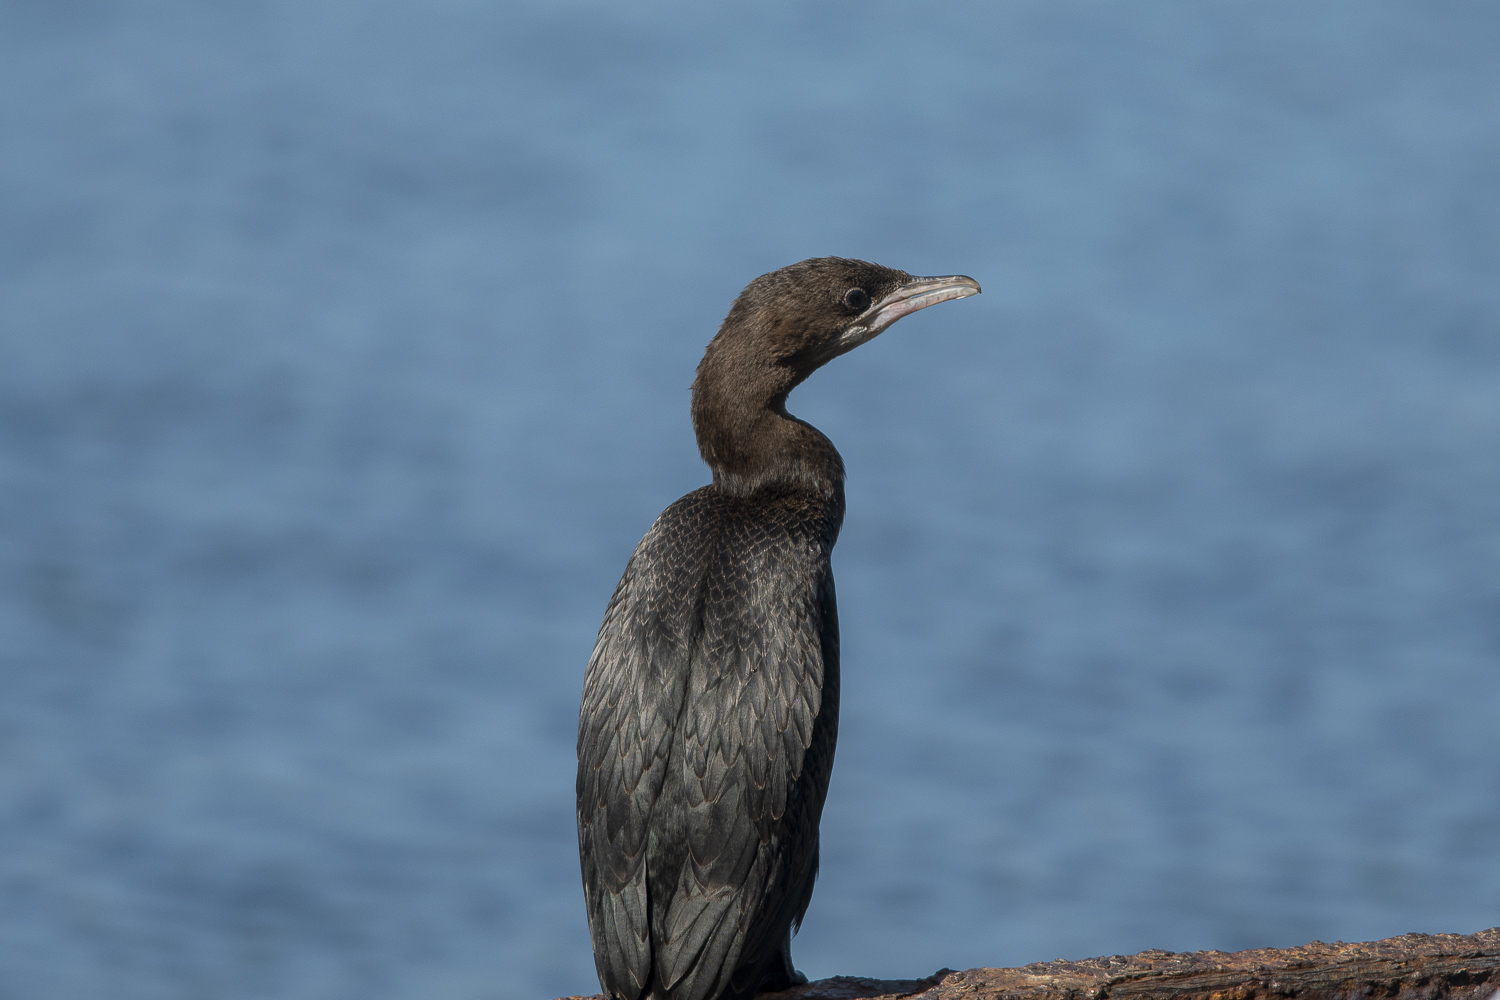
(1409, 967)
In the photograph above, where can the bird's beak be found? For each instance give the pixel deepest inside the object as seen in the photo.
(918, 293)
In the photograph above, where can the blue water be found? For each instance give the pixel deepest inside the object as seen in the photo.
(344, 354)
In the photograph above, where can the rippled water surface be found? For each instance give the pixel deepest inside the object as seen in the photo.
(344, 353)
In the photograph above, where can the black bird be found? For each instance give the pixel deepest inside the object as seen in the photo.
(710, 704)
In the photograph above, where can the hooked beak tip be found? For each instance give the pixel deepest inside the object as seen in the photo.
(919, 293)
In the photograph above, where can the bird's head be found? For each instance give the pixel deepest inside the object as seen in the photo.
(788, 323)
(782, 328)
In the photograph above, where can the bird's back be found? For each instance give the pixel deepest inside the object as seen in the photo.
(705, 742)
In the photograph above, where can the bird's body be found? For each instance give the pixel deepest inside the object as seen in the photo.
(717, 747)
(710, 704)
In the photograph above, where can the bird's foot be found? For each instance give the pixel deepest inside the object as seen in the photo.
(782, 975)
(781, 979)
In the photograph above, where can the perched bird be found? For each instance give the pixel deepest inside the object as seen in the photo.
(710, 703)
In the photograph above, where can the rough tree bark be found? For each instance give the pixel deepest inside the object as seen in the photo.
(1410, 967)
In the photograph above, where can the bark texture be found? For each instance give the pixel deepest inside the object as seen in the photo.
(1409, 967)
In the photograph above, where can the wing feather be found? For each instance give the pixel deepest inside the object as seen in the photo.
(697, 808)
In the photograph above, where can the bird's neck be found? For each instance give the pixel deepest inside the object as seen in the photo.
(751, 443)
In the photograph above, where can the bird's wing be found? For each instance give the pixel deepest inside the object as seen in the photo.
(699, 705)
(754, 696)
(632, 697)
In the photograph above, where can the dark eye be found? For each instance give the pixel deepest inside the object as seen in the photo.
(856, 299)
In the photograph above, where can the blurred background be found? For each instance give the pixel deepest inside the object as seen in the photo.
(344, 357)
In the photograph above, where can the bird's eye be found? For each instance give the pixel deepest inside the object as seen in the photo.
(856, 299)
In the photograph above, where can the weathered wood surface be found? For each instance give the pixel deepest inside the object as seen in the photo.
(1410, 967)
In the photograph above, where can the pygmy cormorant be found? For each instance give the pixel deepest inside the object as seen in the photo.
(710, 704)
